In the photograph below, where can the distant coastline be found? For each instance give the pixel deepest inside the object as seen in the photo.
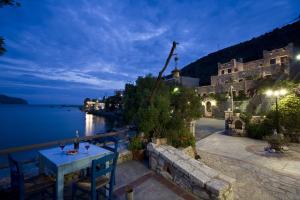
(11, 100)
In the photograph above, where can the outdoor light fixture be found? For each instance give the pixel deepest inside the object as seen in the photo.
(213, 103)
(298, 57)
(203, 103)
(276, 94)
(176, 89)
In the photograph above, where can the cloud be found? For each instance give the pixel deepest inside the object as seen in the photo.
(101, 45)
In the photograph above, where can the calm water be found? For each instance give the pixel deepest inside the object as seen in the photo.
(30, 124)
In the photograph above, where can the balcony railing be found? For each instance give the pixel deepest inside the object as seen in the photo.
(96, 137)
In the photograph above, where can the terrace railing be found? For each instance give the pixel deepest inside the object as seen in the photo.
(4, 152)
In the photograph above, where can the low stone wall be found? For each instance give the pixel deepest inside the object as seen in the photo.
(254, 182)
(190, 174)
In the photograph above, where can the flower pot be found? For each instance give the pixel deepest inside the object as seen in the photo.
(129, 194)
(138, 154)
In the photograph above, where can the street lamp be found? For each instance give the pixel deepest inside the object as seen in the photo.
(175, 90)
(276, 94)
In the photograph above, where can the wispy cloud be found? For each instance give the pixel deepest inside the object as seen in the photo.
(101, 45)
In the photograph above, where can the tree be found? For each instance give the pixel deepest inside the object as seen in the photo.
(289, 109)
(2, 49)
(169, 115)
(9, 3)
(2, 4)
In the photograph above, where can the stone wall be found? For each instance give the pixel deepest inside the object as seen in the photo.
(254, 182)
(190, 174)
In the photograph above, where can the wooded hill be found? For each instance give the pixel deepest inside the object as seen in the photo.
(252, 49)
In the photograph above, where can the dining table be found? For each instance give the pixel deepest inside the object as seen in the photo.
(61, 163)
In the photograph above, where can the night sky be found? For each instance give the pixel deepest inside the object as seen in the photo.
(59, 52)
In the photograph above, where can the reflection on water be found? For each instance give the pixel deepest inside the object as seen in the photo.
(93, 124)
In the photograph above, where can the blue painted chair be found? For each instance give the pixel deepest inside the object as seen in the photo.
(28, 187)
(98, 178)
(111, 144)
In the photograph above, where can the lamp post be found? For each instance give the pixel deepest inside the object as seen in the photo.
(276, 94)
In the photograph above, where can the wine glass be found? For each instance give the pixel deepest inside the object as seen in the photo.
(87, 146)
(62, 146)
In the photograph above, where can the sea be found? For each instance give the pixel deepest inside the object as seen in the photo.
(31, 124)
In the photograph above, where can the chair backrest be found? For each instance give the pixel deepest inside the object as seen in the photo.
(103, 166)
(16, 175)
(114, 146)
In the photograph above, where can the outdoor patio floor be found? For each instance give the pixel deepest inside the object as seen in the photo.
(145, 183)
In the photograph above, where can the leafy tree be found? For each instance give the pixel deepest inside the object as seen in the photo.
(169, 115)
(2, 49)
(289, 109)
(9, 3)
(2, 4)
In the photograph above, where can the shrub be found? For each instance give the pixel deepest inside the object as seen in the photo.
(181, 138)
(260, 130)
(135, 144)
(276, 141)
(289, 109)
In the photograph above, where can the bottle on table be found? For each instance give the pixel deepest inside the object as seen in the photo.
(76, 141)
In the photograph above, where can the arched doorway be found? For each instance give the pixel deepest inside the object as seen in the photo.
(238, 124)
(208, 106)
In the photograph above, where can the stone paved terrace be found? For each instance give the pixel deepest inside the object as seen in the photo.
(145, 183)
(257, 176)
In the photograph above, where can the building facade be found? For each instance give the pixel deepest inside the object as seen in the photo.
(186, 81)
(242, 76)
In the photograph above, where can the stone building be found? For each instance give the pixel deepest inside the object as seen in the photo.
(93, 105)
(242, 76)
(177, 79)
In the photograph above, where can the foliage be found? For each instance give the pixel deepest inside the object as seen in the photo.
(135, 144)
(186, 105)
(113, 103)
(260, 130)
(169, 115)
(276, 141)
(181, 138)
(2, 4)
(241, 96)
(2, 49)
(289, 109)
(265, 84)
(9, 3)
(218, 97)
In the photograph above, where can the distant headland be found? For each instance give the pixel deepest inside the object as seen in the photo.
(11, 100)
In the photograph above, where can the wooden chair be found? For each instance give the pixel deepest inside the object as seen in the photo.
(98, 178)
(28, 187)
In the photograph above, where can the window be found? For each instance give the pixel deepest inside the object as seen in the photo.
(283, 60)
(229, 71)
(236, 69)
(241, 80)
(273, 61)
(222, 72)
(234, 93)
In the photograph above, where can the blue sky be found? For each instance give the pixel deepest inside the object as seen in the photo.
(59, 52)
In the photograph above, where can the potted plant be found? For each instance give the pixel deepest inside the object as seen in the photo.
(137, 148)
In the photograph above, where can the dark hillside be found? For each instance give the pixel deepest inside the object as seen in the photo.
(252, 49)
(11, 100)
